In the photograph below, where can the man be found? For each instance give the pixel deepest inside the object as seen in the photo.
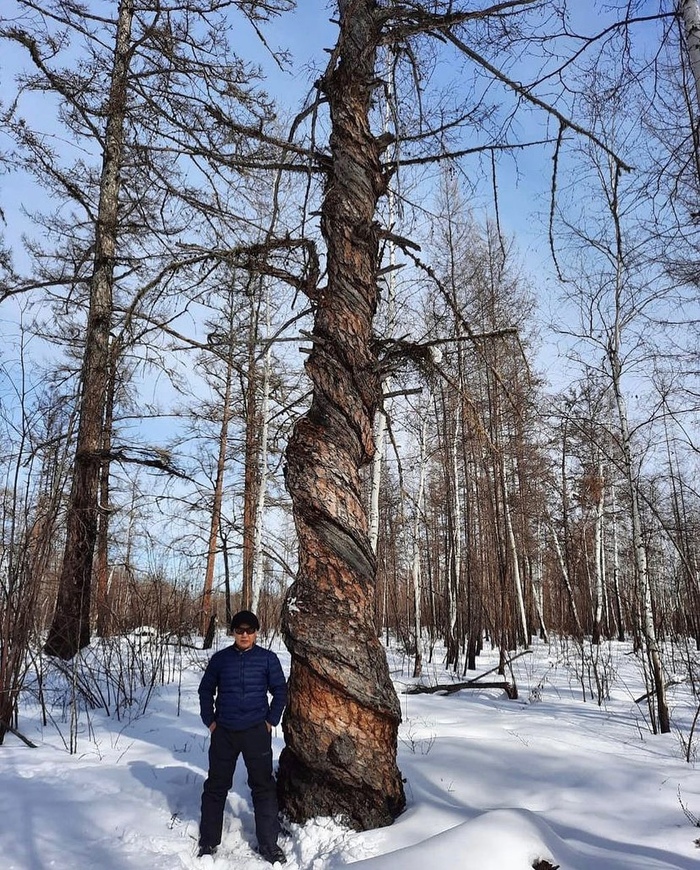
(233, 704)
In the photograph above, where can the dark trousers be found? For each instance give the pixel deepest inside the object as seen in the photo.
(256, 746)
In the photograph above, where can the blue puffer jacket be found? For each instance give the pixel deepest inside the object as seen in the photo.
(234, 689)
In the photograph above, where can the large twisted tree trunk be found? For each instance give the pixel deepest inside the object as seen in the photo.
(343, 714)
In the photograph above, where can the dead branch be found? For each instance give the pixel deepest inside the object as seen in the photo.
(652, 692)
(150, 459)
(17, 733)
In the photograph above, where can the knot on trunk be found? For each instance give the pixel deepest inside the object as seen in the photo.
(342, 751)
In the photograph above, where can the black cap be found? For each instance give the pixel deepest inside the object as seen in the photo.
(245, 617)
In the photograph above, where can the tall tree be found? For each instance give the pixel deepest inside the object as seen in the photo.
(70, 628)
(226, 400)
(617, 298)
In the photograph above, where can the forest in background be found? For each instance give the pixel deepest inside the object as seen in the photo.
(534, 466)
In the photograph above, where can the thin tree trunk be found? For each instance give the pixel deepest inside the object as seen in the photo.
(227, 578)
(381, 421)
(640, 555)
(102, 554)
(515, 561)
(376, 481)
(212, 544)
(598, 557)
(642, 570)
(415, 561)
(616, 571)
(70, 629)
(342, 720)
(382, 621)
(538, 585)
(262, 476)
(455, 543)
(567, 583)
(683, 541)
(250, 474)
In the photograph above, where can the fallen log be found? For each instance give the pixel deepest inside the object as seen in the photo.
(450, 688)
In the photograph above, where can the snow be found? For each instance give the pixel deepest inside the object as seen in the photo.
(491, 783)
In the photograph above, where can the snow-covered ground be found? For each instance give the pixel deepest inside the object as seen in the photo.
(491, 783)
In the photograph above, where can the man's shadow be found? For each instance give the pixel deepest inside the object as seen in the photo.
(181, 786)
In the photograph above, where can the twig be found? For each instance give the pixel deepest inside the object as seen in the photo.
(690, 735)
(692, 818)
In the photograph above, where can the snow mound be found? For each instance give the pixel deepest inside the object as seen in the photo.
(506, 839)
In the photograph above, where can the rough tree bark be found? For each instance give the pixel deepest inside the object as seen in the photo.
(70, 627)
(342, 719)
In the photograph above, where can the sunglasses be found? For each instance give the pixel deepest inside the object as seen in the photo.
(242, 630)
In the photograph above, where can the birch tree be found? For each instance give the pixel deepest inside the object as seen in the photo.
(614, 309)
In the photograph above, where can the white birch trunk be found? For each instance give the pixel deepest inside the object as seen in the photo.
(517, 578)
(537, 584)
(616, 569)
(598, 547)
(646, 613)
(377, 459)
(381, 421)
(642, 569)
(456, 543)
(604, 574)
(690, 9)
